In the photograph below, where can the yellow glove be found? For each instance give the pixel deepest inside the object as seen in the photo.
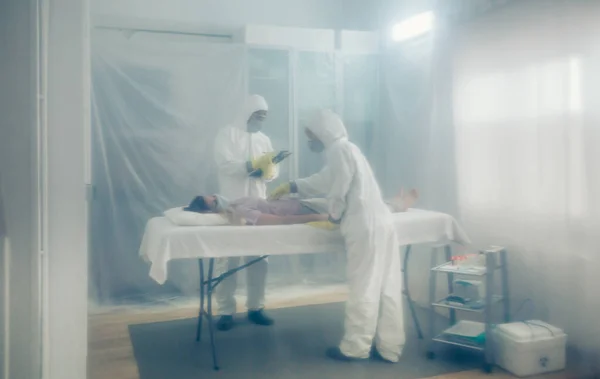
(268, 173)
(327, 225)
(281, 190)
(263, 162)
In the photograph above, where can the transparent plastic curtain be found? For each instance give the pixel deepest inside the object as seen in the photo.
(526, 100)
(414, 145)
(495, 120)
(157, 106)
(362, 100)
(413, 149)
(158, 101)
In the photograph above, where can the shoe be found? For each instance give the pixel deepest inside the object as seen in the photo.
(260, 318)
(225, 323)
(378, 357)
(336, 354)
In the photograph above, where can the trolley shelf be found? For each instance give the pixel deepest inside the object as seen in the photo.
(443, 303)
(443, 338)
(473, 337)
(449, 268)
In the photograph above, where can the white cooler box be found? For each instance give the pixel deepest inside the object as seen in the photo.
(529, 348)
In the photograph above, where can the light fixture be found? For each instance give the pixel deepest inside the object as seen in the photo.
(413, 27)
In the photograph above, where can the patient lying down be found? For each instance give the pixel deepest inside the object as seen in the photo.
(257, 211)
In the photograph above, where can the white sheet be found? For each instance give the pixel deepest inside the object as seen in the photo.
(164, 241)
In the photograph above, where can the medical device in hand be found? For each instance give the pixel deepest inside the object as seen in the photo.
(276, 159)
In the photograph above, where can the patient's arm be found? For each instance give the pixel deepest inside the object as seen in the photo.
(267, 219)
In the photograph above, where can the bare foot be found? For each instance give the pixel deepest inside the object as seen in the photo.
(403, 201)
(411, 198)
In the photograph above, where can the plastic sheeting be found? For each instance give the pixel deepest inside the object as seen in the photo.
(156, 110)
(526, 101)
(157, 104)
(496, 120)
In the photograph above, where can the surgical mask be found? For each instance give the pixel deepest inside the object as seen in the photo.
(222, 204)
(254, 125)
(316, 146)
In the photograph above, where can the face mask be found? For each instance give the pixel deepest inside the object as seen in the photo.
(316, 146)
(222, 204)
(254, 125)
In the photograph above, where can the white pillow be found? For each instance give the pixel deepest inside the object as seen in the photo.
(185, 218)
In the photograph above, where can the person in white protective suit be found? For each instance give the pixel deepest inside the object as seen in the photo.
(374, 307)
(243, 155)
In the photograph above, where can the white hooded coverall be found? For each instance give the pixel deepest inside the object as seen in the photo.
(374, 307)
(234, 147)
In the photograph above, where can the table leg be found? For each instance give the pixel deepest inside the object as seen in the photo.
(209, 314)
(201, 312)
(411, 304)
(209, 286)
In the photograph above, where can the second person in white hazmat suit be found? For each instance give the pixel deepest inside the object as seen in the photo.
(241, 149)
(374, 306)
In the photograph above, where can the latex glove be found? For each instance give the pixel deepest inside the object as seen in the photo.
(263, 161)
(269, 172)
(281, 190)
(327, 225)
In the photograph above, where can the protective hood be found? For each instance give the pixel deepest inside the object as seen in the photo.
(252, 104)
(328, 127)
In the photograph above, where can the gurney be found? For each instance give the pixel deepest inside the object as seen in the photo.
(164, 241)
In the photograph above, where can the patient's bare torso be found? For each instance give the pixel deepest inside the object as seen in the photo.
(250, 208)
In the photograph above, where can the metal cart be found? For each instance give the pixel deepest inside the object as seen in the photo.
(495, 259)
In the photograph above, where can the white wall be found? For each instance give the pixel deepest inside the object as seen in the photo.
(230, 14)
(392, 11)
(68, 122)
(65, 321)
(17, 178)
(362, 15)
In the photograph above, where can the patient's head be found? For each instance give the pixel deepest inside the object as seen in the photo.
(203, 204)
